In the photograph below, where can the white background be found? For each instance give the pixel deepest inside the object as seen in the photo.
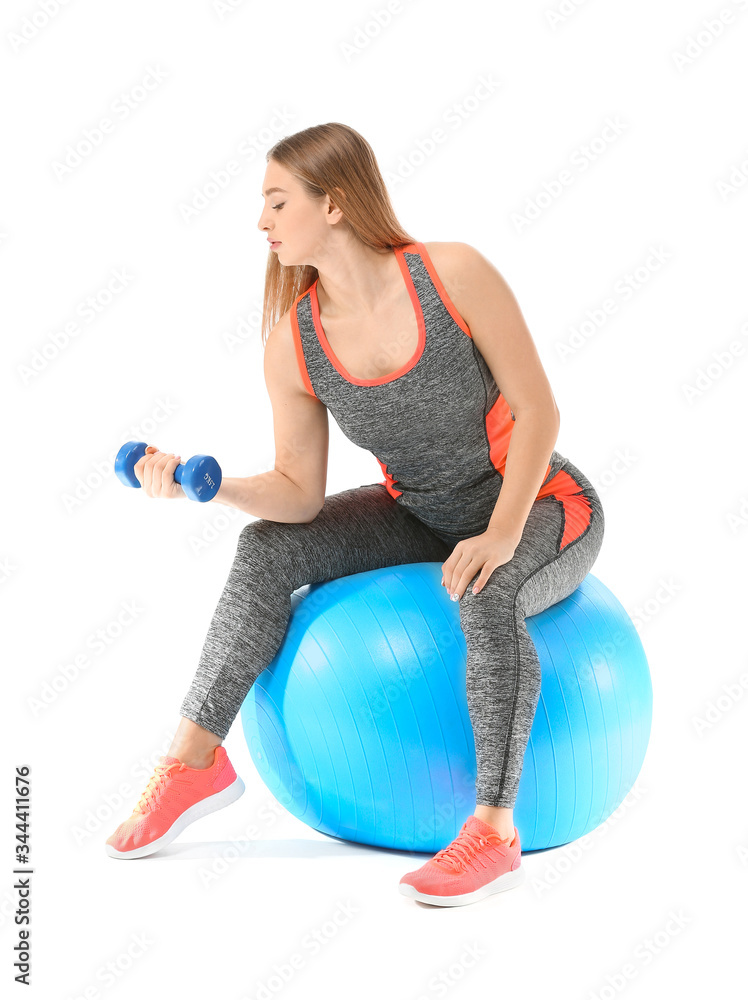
(668, 462)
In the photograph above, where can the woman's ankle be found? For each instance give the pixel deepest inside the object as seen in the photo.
(198, 758)
(500, 818)
(194, 745)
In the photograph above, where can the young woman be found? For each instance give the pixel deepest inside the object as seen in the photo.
(406, 344)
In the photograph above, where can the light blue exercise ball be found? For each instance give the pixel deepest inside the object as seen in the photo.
(360, 725)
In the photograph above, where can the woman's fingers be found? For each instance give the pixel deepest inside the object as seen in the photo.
(155, 473)
(141, 464)
(459, 575)
(167, 475)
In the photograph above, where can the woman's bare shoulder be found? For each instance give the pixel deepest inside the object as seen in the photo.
(455, 264)
(450, 254)
(281, 358)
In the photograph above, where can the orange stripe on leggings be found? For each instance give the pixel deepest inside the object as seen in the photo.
(577, 508)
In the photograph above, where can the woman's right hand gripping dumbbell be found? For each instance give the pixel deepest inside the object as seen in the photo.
(155, 473)
(161, 475)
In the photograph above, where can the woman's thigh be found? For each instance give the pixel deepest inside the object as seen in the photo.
(356, 530)
(577, 544)
(560, 542)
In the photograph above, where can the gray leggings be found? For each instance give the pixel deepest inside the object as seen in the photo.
(362, 529)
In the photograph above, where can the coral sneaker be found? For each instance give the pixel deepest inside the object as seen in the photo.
(176, 796)
(476, 864)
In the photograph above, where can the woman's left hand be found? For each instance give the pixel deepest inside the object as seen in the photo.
(483, 553)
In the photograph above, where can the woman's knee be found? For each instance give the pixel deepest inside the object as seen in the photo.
(283, 554)
(497, 597)
(263, 533)
(559, 578)
(265, 547)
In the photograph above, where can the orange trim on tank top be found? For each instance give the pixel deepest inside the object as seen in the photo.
(388, 481)
(577, 508)
(338, 364)
(299, 351)
(499, 427)
(449, 304)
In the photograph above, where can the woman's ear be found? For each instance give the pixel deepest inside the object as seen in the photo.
(337, 200)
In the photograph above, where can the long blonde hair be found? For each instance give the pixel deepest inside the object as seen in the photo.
(330, 159)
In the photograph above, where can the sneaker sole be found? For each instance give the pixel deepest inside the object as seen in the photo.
(506, 881)
(202, 808)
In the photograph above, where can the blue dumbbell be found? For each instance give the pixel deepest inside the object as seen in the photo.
(199, 477)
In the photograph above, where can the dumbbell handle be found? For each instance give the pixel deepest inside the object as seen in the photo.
(199, 477)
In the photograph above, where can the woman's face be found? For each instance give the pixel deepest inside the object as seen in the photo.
(299, 225)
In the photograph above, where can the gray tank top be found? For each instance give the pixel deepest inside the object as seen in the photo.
(438, 426)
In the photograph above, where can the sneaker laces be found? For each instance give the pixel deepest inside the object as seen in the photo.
(160, 776)
(463, 851)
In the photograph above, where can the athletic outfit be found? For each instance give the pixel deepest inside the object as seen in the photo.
(440, 430)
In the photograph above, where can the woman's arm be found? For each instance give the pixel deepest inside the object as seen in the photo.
(484, 300)
(530, 448)
(294, 491)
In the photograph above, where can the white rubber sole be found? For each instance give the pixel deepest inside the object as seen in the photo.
(202, 808)
(506, 881)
